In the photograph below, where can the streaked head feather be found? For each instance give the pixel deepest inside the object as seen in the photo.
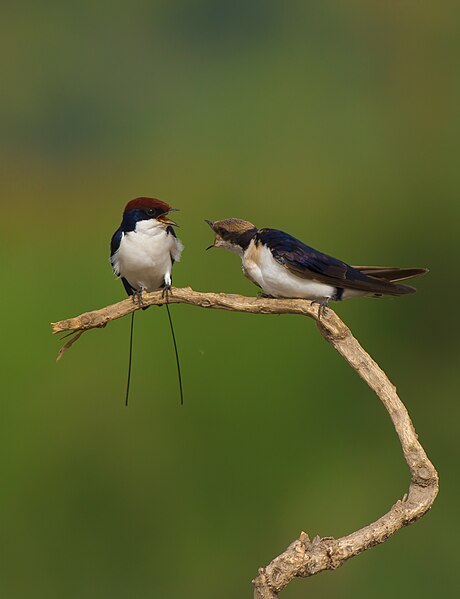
(232, 234)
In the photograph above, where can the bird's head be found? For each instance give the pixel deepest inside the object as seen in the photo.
(232, 234)
(153, 211)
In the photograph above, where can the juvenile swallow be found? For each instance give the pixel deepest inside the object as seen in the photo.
(284, 267)
(142, 252)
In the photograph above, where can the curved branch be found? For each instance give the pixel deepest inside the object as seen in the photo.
(304, 557)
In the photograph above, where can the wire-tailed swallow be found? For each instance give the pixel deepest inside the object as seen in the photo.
(284, 267)
(142, 253)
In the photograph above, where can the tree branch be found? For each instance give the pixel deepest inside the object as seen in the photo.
(304, 557)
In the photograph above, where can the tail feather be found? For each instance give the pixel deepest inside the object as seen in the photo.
(391, 273)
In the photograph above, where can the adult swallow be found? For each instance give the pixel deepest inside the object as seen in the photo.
(284, 267)
(142, 252)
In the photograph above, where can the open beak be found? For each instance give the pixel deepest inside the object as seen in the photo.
(167, 221)
(211, 224)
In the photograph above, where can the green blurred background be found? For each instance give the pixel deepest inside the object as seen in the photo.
(335, 121)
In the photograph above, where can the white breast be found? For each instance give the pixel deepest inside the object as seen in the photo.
(146, 255)
(276, 280)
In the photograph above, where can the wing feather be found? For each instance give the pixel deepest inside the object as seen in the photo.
(115, 241)
(308, 263)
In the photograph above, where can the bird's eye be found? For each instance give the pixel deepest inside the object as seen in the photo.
(150, 211)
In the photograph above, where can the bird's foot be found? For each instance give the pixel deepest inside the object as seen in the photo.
(322, 306)
(137, 297)
(167, 291)
(265, 295)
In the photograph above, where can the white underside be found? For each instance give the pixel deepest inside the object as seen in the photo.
(145, 256)
(276, 280)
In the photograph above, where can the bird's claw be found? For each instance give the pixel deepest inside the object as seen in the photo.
(137, 296)
(167, 291)
(322, 307)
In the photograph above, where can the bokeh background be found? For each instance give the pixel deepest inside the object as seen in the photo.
(335, 121)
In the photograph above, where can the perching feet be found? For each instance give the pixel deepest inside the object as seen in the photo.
(137, 296)
(322, 306)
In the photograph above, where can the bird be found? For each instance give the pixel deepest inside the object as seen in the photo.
(143, 251)
(284, 267)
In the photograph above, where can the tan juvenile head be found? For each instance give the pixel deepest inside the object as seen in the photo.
(232, 234)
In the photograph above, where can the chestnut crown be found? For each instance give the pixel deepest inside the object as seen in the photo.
(151, 206)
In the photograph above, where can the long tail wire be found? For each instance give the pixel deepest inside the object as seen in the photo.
(130, 360)
(128, 382)
(179, 376)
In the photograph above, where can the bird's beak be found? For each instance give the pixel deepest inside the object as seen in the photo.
(167, 221)
(211, 224)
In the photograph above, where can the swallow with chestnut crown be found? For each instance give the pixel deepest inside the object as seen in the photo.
(143, 251)
(284, 267)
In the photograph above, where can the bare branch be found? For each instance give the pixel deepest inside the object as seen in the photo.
(304, 557)
(186, 295)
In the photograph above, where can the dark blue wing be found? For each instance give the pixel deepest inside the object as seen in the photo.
(115, 241)
(129, 290)
(114, 245)
(171, 231)
(306, 262)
